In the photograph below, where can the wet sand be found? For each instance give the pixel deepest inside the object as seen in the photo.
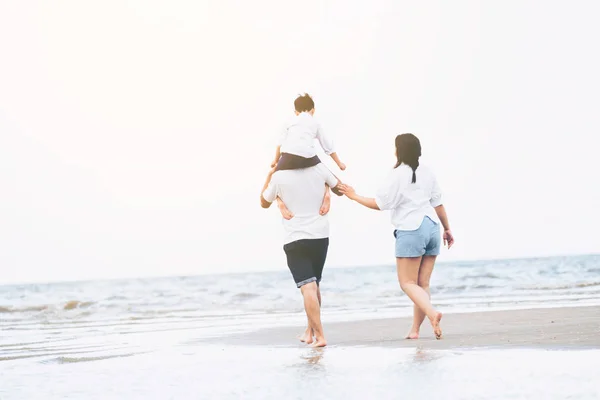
(573, 327)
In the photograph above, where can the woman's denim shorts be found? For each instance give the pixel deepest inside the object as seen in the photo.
(424, 241)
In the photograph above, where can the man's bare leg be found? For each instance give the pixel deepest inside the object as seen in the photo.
(408, 276)
(309, 333)
(313, 312)
(319, 293)
(425, 270)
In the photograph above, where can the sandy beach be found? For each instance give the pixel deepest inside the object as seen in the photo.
(568, 327)
(186, 338)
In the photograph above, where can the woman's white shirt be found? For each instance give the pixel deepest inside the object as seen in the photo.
(409, 202)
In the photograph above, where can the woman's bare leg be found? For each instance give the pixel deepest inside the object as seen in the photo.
(408, 276)
(425, 270)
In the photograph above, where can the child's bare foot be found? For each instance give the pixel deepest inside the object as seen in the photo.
(325, 206)
(285, 212)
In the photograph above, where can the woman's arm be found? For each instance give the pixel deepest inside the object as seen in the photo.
(352, 195)
(448, 237)
(441, 213)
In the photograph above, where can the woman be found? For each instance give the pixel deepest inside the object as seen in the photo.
(414, 197)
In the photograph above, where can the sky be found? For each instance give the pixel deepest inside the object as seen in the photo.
(135, 135)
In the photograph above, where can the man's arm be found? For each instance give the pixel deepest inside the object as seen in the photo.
(336, 189)
(264, 203)
(277, 156)
(267, 192)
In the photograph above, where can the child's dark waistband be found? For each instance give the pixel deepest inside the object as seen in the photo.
(292, 161)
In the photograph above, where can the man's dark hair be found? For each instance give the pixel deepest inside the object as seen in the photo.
(304, 103)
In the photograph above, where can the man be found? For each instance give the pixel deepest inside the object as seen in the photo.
(306, 234)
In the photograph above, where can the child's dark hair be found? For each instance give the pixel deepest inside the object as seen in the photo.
(304, 103)
(408, 151)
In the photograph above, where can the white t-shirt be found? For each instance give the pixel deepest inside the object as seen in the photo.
(302, 191)
(299, 136)
(409, 202)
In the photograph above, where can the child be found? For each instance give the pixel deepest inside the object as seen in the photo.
(297, 150)
(297, 143)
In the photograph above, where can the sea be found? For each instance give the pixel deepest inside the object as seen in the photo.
(149, 338)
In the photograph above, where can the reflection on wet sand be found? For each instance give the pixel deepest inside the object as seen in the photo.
(422, 356)
(314, 357)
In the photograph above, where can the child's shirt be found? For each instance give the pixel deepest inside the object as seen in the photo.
(299, 137)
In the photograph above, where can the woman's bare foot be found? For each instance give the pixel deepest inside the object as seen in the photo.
(412, 335)
(320, 342)
(307, 336)
(435, 323)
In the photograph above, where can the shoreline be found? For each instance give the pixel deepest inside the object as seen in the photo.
(549, 328)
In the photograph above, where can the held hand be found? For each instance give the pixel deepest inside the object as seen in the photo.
(448, 238)
(347, 190)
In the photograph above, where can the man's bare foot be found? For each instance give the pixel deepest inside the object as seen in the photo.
(307, 336)
(326, 205)
(285, 212)
(435, 323)
(320, 342)
(412, 335)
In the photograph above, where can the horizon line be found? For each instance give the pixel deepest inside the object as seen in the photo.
(262, 271)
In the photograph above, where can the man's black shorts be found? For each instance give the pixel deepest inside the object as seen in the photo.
(306, 258)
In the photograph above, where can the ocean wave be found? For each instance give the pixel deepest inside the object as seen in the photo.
(245, 296)
(69, 305)
(4, 309)
(562, 286)
(451, 288)
(487, 275)
(71, 360)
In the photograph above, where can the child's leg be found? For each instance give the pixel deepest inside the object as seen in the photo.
(285, 212)
(326, 202)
